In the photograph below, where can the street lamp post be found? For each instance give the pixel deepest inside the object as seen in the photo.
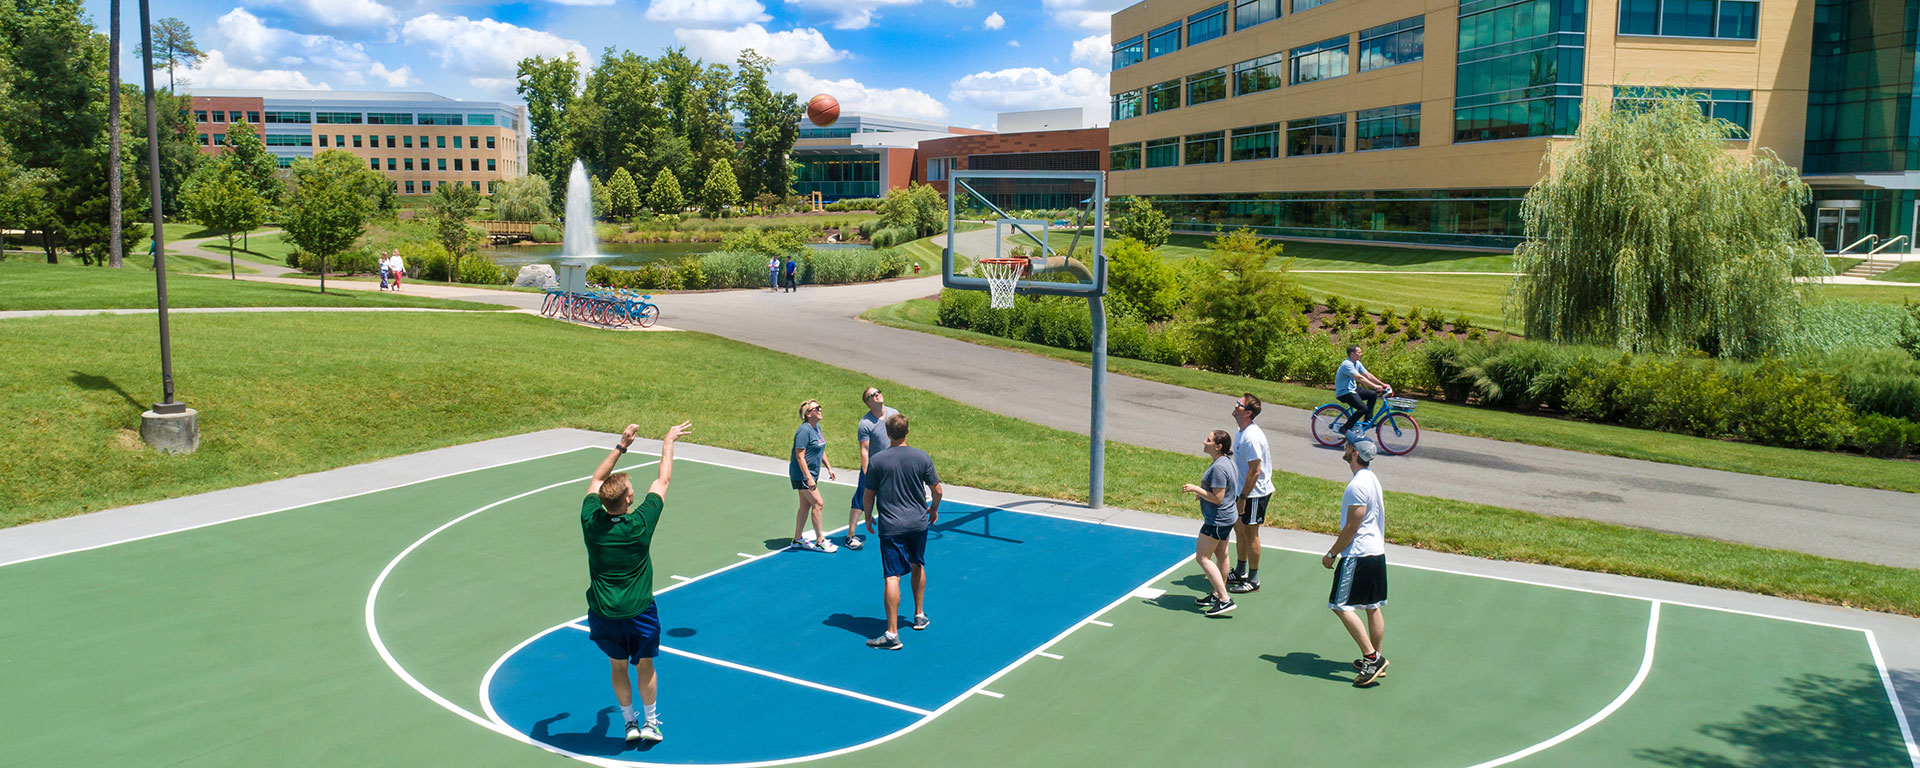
(170, 426)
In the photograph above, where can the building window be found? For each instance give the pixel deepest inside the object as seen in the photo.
(389, 118)
(409, 186)
(253, 117)
(490, 166)
(1386, 128)
(1730, 105)
(1163, 153)
(1323, 60)
(479, 119)
(205, 140)
(476, 185)
(1203, 87)
(459, 164)
(1126, 105)
(1301, 5)
(393, 164)
(373, 163)
(439, 142)
(1256, 142)
(289, 140)
(219, 139)
(283, 162)
(443, 164)
(426, 163)
(1520, 71)
(200, 116)
(337, 118)
(1386, 45)
(1164, 40)
(1247, 13)
(938, 168)
(356, 141)
(406, 142)
(1128, 53)
(323, 140)
(1125, 157)
(1262, 74)
(1163, 96)
(489, 142)
(1203, 148)
(456, 142)
(1729, 19)
(429, 118)
(1207, 25)
(219, 116)
(407, 163)
(339, 141)
(297, 118)
(1323, 135)
(426, 186)
(472, 142)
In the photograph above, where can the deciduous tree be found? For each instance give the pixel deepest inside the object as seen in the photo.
(452, 206)
(329, 205)
(222, 197)
(523, 199)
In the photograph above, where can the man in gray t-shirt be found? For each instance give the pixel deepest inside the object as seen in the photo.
(871, 438)
(897, 487)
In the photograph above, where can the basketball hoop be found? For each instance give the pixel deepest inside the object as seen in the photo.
(1002, 276)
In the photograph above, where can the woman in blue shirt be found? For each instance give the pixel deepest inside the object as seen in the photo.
(803, 471)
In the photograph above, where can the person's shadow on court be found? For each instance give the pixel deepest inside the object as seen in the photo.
(1304, 664)
(864, 626)
(598, 741)
(1183, 601)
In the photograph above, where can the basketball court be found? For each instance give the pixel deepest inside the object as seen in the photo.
(427, 610)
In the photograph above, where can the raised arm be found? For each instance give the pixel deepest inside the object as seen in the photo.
(659, 487)
(613, 457)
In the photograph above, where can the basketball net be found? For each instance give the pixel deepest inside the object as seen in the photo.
(1002, 275)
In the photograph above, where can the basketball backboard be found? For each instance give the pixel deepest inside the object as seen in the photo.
(1056, 219)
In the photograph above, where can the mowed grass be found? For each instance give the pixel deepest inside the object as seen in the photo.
(1882, 294)
(1905, 273)
(135, 260)
(1479, 297)
(40, 286)
(441, 380)
(1316, 254)
(266, 249)
(1531, 429)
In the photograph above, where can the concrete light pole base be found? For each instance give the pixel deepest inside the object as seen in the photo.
(171, 432)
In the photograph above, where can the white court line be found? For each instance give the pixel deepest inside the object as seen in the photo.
(197, 526)
(745, 555)
(1646, 665)
(1054, 656)
(678, 577)
(784, 678)
(985, 692)
(1104, 624)
(1900, 715)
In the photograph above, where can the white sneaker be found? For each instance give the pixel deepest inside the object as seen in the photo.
(651, 732)
(633, 731)
(828, 547)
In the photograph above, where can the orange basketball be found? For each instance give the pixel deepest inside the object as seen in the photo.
(823, 110)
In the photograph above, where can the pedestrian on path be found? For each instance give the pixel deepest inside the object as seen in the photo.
(399, 269)
(903, 490)
(1358, 559)
(773, 272)
(793, 267)
(1218, 511)
(386, 270)
(808, 456)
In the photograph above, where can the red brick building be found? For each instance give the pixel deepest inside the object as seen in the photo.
(1082, 149)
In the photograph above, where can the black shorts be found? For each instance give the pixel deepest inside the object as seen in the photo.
(1216, 532)
(899, 553)
(1255, 512)
(1359, 583)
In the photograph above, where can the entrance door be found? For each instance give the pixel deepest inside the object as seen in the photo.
(1836, 228)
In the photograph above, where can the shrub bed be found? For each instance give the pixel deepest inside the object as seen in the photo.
(726, 269)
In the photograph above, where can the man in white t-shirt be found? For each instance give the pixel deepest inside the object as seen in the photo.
(399, 269)
(1255, 463)
(1358, 560)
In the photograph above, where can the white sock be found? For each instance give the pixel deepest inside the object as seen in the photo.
(653, 712)
(626, 712)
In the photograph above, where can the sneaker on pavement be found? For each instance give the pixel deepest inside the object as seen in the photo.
(854, 542)
(1244, 586)
(828, 547)
(1221, 607)
(885, 643)
(1233, 576)
(651, 732)
(920, 621)
(633, 731)
(1370, 670)
(799, 544)
(1204, 600)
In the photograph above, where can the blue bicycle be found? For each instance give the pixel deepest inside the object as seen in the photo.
(1394, 429)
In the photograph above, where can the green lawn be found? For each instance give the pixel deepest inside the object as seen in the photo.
(440, 380)
(1532, 429)
(266, 249)
(1905, 273)
(1313, 255)
(1842, 263)
(40, 286)
(135, 260)
(1885, 294)
(1479, 297)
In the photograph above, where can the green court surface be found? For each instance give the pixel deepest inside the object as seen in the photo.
(358, 630)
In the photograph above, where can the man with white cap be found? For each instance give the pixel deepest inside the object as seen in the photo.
(1358, 560)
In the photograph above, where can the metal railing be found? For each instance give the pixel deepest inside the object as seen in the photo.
(1856, 243)
(1889, 244)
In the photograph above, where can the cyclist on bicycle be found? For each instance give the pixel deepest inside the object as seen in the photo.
(1353, 385)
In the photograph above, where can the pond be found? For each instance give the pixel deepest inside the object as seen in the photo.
(626, 255)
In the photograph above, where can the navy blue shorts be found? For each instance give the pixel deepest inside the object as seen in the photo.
(859, 494)
(632, 638)
(1217, 532)
(899, 553)
(797, 476)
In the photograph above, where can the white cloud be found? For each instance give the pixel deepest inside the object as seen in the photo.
(853, 14)
(354, 15)
(248, 45)
(485, 47)
(857, 97)
(707, 13)
(1013, 43)
(581, 2)
(1024, 88)
(995, 21)
(215, 72)
(497, 88)
(960, 3)
(1090, 15)
(793, 46)
(1096, 52)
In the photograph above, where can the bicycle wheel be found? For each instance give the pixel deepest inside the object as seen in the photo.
(546, 305)
(1321, 422)
(1397, 434)
(648, 314)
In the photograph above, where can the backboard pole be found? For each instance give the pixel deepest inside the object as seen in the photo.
(1097, 435)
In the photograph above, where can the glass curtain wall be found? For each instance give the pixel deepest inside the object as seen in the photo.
(837, 176)
(1521, 66)
(1465, 217)
(1861, 92)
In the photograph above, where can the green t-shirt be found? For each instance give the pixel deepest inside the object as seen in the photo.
(618, 556)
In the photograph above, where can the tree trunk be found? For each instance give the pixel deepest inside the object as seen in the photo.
(46, 241)
(114, 246)
(232, 272)
(323, 273)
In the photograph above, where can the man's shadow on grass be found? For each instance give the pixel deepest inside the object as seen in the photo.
(93, 383)
(598, 741)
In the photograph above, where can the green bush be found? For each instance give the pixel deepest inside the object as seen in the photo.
(1909, 339)
(688, 275)
(425, 259)
(854, 204)
(1798, 409)
(480, 270)
(1140, 282)
(1831, 325)
(546, 233)
(725, 269)
(1885, 436)
(889, 237)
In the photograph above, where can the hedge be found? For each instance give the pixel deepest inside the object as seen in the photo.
(749, 270)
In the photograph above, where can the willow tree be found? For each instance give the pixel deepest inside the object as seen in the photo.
(1649, 235)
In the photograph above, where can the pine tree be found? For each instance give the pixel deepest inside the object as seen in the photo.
(665, 197)
(721, 190)
(623, 198)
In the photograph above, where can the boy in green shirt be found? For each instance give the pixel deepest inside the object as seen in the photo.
(621, 616)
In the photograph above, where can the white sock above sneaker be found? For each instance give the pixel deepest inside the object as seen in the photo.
(626, 713)
(653, 712)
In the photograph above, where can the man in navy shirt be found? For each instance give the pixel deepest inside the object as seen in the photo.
(896, 487)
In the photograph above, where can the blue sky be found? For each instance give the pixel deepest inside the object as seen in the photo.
(961, 61)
